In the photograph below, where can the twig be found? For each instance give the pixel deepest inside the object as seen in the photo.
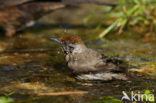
(63, 93)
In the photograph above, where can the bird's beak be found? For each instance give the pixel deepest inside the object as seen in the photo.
(57, 40)
(65, 45)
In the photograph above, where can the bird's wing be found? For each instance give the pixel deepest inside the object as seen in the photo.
(112, 64)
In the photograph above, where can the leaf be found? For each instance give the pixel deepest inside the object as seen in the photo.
(111, 27)
(147, 92)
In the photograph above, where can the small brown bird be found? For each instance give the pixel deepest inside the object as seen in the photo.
(88, 64)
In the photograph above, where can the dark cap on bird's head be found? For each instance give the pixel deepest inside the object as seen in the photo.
(71, 39)
(69, 43)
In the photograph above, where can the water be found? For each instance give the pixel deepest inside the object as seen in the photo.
(32, 67)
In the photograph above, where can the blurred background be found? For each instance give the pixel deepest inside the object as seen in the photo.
(32, 68)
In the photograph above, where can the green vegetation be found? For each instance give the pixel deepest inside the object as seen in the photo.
(148, 92)
(5, 100)
(132, 13)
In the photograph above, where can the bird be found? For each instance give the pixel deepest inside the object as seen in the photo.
(89, 64)
(16, 15)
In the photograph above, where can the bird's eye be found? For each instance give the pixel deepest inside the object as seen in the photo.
(65, 42)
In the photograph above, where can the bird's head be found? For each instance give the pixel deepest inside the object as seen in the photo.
(70, 43)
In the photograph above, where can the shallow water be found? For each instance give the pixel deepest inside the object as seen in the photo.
(32, 67)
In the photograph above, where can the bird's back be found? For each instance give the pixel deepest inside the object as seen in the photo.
(90, 65)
